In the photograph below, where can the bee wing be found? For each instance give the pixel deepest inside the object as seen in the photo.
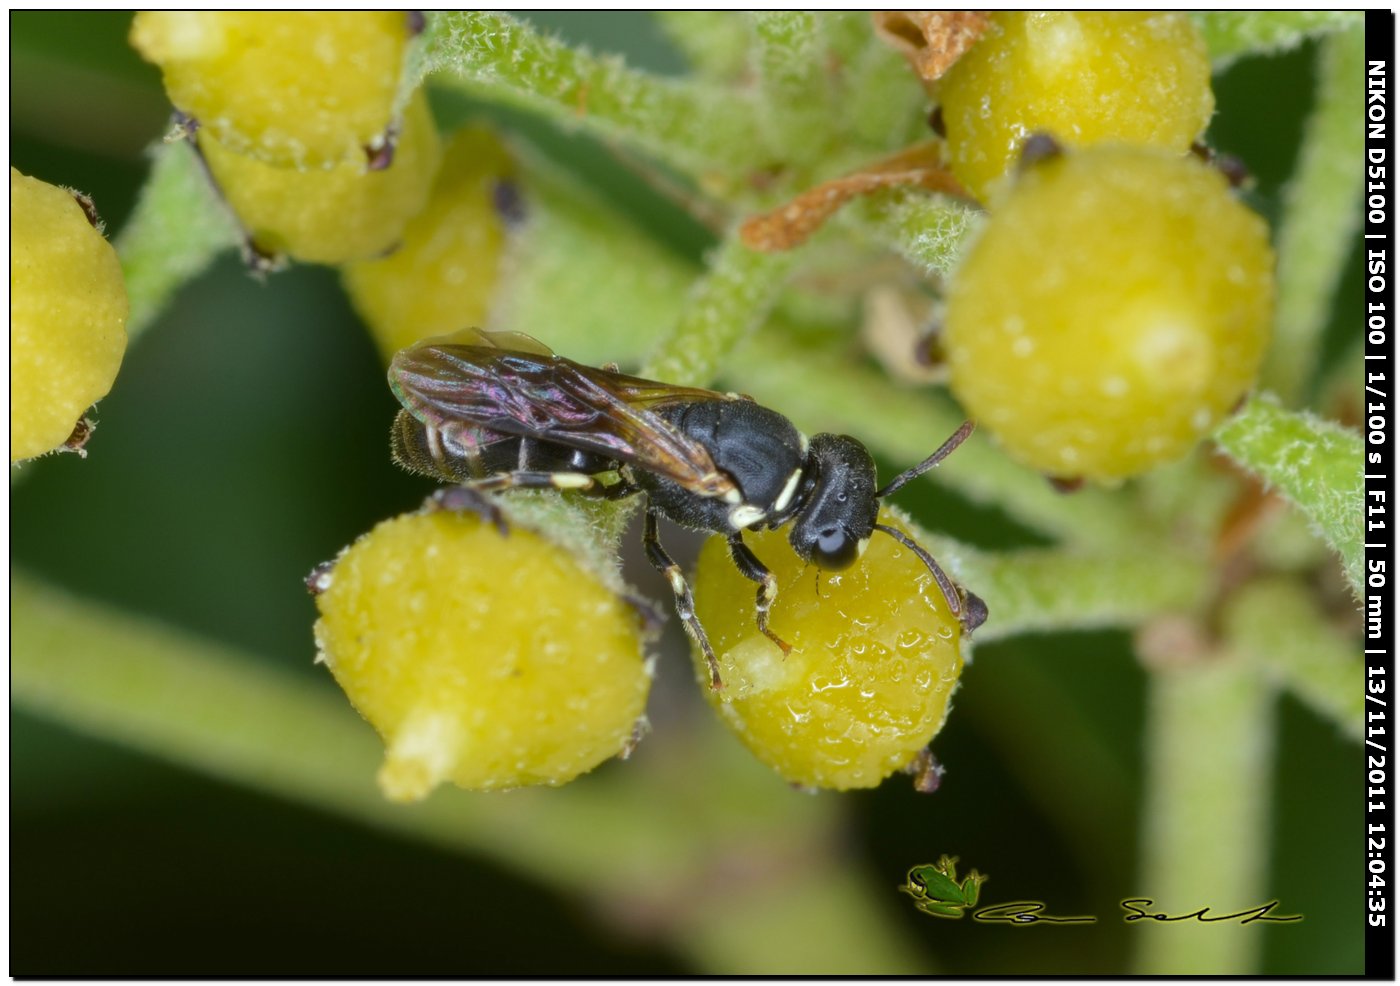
(507, 383)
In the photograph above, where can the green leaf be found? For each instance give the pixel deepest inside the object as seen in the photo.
(692, 125)
(715, 42)
(1231, 34)
(1315, 464)
(179, 226)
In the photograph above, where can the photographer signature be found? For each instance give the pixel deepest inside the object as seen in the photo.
(938, 891)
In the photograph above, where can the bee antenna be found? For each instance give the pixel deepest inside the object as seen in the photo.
(968, 607)
(944, 450)
(950, 591)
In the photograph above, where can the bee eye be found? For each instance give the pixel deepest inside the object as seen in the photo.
(834, 548)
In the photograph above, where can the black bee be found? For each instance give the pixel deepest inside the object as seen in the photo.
(497, 410)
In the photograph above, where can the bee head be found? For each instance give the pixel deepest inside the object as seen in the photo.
(839, 506)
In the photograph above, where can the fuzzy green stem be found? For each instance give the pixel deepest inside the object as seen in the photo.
(178, 228)
(794, 92)
(1322, 211)
(1277, 626)
(1046, 590)
(727, 304)
(1230, 34)
(694, 126)
(905, 425)
(883, 104)
(927, 230)
(583, 277)
(715, 42)
(785, 51)
(1315, 464)
(1209, 771)
(611, 838)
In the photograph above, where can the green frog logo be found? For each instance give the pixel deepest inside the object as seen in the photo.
(936, 889)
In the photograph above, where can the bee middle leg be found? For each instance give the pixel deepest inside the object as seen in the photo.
(685, 603)
(752, 569)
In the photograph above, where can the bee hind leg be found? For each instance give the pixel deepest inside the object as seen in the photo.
(685, 603)
(466, 498)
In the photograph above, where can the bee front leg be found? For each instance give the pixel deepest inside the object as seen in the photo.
(685, 603)
(752, 569)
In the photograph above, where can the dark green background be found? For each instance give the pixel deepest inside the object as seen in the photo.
(245, 441)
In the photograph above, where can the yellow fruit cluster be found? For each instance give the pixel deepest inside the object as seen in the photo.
(875, 659)
(1114, 309)
(68, 310)
(294, 115)
(491, 661)
(330, 216)
(293, 89)
(443, 274)
(1118, 301)
(1084, 78)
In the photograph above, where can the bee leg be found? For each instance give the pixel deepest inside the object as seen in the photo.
(751, 568)
(524, 479)
(460, 498)
(651, 615)
(685, 603)
(640, 729)
(472, 495)
(926, 770)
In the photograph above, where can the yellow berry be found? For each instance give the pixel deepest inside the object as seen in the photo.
(293, 89)
(443, 275)
(875, 658)
(68, 311)
(1088, 77)
(486, 660)
(330, 216)
(1113, 309)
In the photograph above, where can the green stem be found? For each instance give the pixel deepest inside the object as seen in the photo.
(1232, 33)
(725, 306)
(826, 390)
(1047, 590)
(1277, 626)
(694, 126)
(1209, 760)
(178, 228)
(1315, 464)
(1322, 211)
(634, 838)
